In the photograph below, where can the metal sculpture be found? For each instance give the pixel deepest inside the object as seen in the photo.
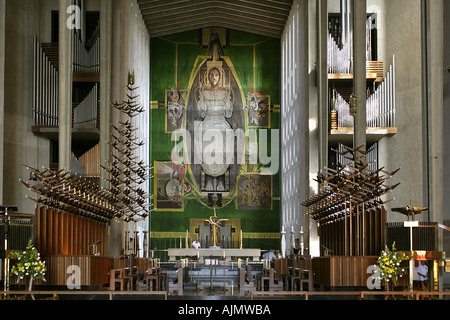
(127, 172)
(348, 193)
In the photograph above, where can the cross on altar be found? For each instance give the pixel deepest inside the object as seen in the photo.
(215, 223)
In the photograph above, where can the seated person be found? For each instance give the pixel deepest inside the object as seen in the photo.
(270, 255)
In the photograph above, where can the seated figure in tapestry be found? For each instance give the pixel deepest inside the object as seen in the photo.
(214, 107)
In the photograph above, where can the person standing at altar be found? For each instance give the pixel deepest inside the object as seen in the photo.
(196, 244)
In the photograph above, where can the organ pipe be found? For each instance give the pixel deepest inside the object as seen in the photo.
(45, 89)
(84, 60)
(46, 85)
(380, 105)
(85, 114)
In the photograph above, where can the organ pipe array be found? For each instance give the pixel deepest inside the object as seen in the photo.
(90, 161)
(45, 88)
(340, 57)
(84, 60)
(380, 105)
(86, 113)
(46, 83)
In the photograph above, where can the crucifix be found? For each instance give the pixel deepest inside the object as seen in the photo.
(215, 223)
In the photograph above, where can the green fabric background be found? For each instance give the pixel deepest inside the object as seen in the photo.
(264, 75)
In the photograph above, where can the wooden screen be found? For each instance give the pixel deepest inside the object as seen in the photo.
(62, 233)
(361, 235)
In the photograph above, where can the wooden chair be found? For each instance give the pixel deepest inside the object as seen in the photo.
(162, 274)
(150, 278)
(304, 275)
(294, 278)
(245, 280)
(269, 276)
(118, 276)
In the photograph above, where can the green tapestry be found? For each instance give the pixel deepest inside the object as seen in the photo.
(234, 89)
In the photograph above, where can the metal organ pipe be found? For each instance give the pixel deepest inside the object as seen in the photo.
(34, 78)
(40, 92)
(85, 113)
(380, 105)
(393, 91)
(45, 88)
(46, 83)
(83, 60)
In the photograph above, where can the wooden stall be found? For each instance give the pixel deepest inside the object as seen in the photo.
(360, 232)
(59, 232)
(94, 270)
(342, 271)
(351, 219)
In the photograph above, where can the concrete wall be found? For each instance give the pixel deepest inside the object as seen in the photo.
(303, 106)
(404, 150)
(21, 146)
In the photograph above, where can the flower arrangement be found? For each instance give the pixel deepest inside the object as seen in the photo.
(29, 265)
(389, 264)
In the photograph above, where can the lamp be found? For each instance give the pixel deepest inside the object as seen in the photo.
(353, 104)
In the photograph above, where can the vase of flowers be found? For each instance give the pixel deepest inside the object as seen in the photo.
(390, 267)
(29, 266)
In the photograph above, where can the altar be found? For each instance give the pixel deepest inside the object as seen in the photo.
(214, 253)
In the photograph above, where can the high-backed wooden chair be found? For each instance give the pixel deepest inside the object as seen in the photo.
(118, 276)
(304, 275)
(152, 277)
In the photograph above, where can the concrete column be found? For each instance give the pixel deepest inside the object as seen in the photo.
(303, 102)
(433, 113)
(117, 36)
(105, 95)
(359, 70)
(2, 91)
(65, 85)
(105, 83)
(322, 81)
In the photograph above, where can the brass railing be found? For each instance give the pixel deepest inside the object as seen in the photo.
(411, 295)
(56, 294)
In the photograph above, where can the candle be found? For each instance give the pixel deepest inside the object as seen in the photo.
(240, 244)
